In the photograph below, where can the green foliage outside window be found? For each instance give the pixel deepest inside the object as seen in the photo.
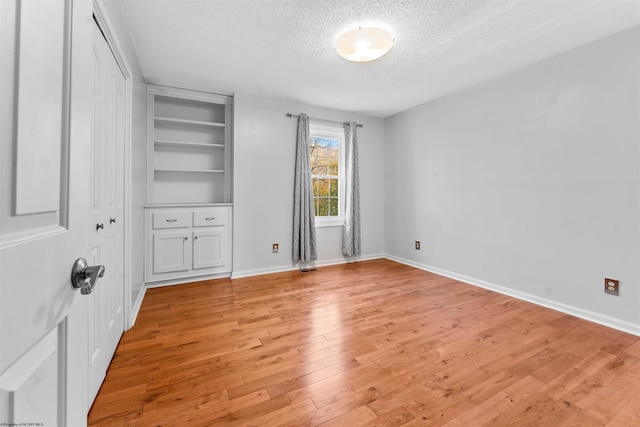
(324, 172)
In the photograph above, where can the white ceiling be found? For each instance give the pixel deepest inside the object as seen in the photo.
(283, 49)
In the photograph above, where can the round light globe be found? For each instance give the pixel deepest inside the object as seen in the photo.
(364, 44)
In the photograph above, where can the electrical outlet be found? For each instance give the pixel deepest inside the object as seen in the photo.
(612, 286)
(417, 245)
(275, 248)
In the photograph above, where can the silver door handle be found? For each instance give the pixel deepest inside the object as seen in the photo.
(84, 276)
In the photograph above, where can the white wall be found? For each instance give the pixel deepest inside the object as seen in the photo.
(137, 154)
(264, 158)
(530, 183)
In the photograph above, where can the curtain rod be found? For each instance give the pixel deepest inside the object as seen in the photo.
(321, 120)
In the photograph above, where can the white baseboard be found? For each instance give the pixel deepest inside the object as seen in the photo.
(183, 280)
(136, 307)
(312, 264)
(591, 316)
(261, 271)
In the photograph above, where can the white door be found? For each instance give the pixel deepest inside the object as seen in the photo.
(45, 126)
(106, 207)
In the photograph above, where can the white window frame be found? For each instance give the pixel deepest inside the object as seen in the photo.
(337, 133)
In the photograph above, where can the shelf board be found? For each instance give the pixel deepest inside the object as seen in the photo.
(167, 143)
(189, 122)
(190, 170)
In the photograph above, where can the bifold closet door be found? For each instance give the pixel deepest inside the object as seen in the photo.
(106, 313)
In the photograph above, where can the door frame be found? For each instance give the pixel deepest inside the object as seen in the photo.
(105, 25)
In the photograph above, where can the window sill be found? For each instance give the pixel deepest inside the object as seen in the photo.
(329, 222)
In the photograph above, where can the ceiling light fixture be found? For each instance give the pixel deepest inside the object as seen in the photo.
(364, 44)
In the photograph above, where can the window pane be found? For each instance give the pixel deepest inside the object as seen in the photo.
(333, 206)
(321, 167)
(330, 144)
(331, 151)
(319, 150)
(333, 187)
(333, 166)
(327, 142)
(323, 188)
(323, 207)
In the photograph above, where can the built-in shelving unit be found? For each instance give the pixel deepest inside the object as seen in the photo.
(189, 207)
(189, 146)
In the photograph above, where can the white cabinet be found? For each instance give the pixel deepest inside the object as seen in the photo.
(185, 242)
(188, 211)
(171, 251)
(209, 248)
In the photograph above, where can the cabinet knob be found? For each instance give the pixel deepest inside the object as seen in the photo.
(210, 218)
(171, 220)
(99, 227)
(112, 220)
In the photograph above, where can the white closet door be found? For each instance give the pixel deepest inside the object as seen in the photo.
(106, 315)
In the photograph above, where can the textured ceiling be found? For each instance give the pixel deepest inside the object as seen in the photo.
(284, 48)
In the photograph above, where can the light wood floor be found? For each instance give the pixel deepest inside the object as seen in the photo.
(370, 343)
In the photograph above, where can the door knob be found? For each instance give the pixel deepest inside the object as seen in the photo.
(84, 276)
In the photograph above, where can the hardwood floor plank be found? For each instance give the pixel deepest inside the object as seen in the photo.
(396, 416)
(368, 343)
(262, 383)
(634, 349)
(564, 386)
(359, 416)
(629, 414)
(292, 415)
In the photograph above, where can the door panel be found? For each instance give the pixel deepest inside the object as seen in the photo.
(45, 77)
(28, 385)
(209, 248)
(106, 316)
(170, 251)
(41, 40)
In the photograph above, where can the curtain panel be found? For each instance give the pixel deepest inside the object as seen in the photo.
(304, 227)
(351, 234)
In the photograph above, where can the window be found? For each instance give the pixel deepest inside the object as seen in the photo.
(327, 174)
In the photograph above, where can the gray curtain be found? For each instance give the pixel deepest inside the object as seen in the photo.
(304, 222)
(351, 236)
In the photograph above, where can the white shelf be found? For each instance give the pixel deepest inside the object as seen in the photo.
(166, 143)
(189, 122)
(190, 170)
(189, 146)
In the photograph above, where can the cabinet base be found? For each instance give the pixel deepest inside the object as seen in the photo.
(183, 280)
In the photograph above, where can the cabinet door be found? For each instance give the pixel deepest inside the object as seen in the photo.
(210, 248)
(171, 251)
